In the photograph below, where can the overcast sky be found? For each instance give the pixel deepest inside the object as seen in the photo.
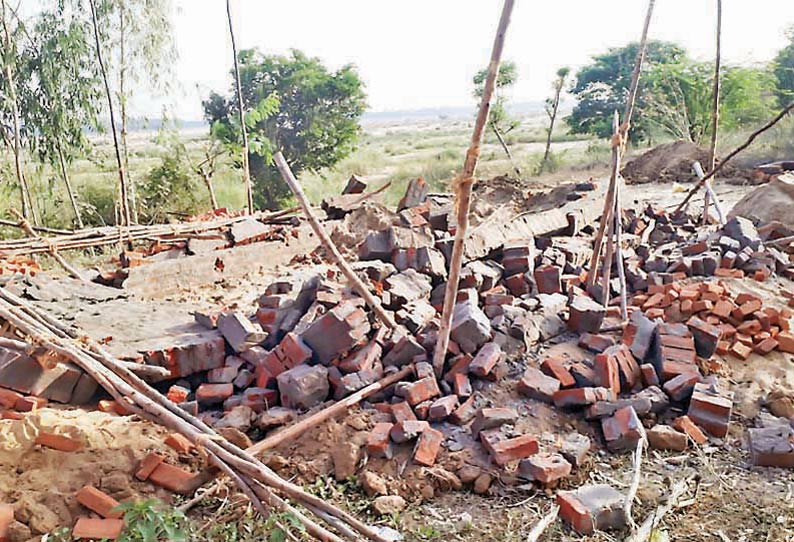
(423, 53)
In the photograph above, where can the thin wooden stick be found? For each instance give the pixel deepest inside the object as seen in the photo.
(624, 304)
(710, 191)
(635, 483)
(715, 112)
(785, 111)
(239, 92)
(41, 229)
(643, 533)
(592, 273)
(543, 524)
(25, 225)
(355, 281)
(612, 218)
(462, 186)
(319, 417)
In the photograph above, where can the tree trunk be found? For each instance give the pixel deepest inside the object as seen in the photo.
(246, 171)
(133, 200)
(69, 190)
(552, 118)
(123, 196)
(715, 112)
(27, 202)
(503, 143)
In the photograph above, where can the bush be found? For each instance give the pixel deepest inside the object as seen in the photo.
(167, 188)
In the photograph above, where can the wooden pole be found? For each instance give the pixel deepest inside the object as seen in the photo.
(710, 191)
(611, 218)
(715, 113)
(785, 111)
(592, 273)
(333, 410)
(355, 281)
(624, 303)
(462, 187)
(246, 171)
(123, 195)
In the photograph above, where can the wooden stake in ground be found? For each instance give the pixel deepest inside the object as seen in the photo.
(752, 137)
(246, 171)
(715, 113)
(328, 244)
(462, 188)
(123, 193)
(592, 273)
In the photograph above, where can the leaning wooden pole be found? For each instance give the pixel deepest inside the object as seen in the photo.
(328, 244)
(238, 88)
(462, 187)
(611, 218)
(592, 273)
(715, 112)
(752, 137)
(123, 194)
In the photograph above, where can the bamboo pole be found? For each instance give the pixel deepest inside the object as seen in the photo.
(136, 395)
(462, 187)
(238, 87)
(592, 273)
(785, 111)
(333, 410)
(123, 195)
(715, 114)
(611, 217)
(624, 303)
(352, 277)
(710, 192)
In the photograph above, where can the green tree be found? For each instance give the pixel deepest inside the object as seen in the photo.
(783, 68)
(678, 98)
(64, 96)
(293, 104)
(499, 120)
(602, 87)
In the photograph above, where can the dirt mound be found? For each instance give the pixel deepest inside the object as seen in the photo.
(771, 202)
(672, 162)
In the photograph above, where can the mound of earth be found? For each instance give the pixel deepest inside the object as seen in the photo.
(672, 162)
(772, 202)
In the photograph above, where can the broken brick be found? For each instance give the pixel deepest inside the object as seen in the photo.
(687, 426)
(681, 386)
(178, 442)
(486, 359)
(490, 418)
(579, 397)
(378, 441)
(664, 437)
(57, 442)
(595, 343)
(710, 408)
(536, 385)
(548, 280)
(623, 430)
(172, 478)
(772, 446)
(214, 393)
(422, 390)
(555, 368)
(407, 430)
(504, 451)
(147, 466)
(545, 468)
(427, 447)
(98, 502)
(592, 507)
(97, 528)
(304, 386)
(442, 408)
(585, 315)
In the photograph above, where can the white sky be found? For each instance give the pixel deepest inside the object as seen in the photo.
(423, 53)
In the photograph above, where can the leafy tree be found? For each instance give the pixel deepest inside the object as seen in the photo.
(294, 104)
(499, 120)
(678, 98)
(783, 68)
(602, 87)
(551, 107)
(64, 91)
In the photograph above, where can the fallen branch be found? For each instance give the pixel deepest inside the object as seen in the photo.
(543, 524)
(299, 428)
(643, 533)
(786, 110)
(635, 484)
(265, 488)
(355, 281)
(41, 229)
(462, 187)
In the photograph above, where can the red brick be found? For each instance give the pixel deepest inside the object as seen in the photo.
(6, 519)
(9, 398)
(766, 346)
(172, 478)
(664, 437)
(147, 466)
(179, 443)
(785, 341)
(442, 408)
(97, 529)
(11, 415)
(740, 350)
(547, 279)
(177, 394)
(30, 404)
(405, 431)
(464, 413)
(649, 376)
(680, 387)
(378, 442)
(545, 468)
(214, 393)
(555, 368)
(422, 390)
(512, 449)
(58, 442)
(592, 507)
(772, 446)
(607, 371)
(578, 397)
(746, 309)
(427, 447)
(623, 429)
(402, 412)
(99, 502)
(536, 385)
(710, 408)
(462, 385)
(687, 426)
(486, 359)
